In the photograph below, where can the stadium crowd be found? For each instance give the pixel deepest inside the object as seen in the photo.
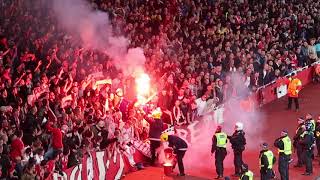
(53, 108)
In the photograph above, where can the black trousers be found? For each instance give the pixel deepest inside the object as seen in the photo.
(153, 147)
(180, 155)
(266, 174)
(220, 154)
(318, 146)
(237, 161)
(308, 158)
(301, 160)
(283, 167)
(296, 102)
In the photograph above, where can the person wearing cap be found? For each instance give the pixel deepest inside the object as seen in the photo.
(294, 87)
(284, 146)
(155, 130)
(238, 142)
(310, 119)
(246, 173)
(179, 148)
(296, 139)
(267, 159)
(307, 143)
(317, 136)
(219, 145)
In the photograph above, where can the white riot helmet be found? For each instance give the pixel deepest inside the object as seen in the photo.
(239, 126)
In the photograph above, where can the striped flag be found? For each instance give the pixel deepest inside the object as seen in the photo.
(104, 164)
(94, 167)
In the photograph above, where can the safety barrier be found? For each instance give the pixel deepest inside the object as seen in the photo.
(265, 94)
(269, 92)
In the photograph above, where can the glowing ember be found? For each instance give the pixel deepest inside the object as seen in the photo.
(143, 84)
(141, 100)
(167, 164)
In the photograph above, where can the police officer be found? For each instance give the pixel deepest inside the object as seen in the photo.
(156, 128)
(238, 142)
(284, 148)
(308, 144)
(246, 173)
(219, 144)
(310, 119)
(179, 148)
(267, 160)
(296, 139)
(317, 135)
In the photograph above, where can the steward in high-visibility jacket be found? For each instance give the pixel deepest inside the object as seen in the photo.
(219, 144)
(317, 70)
(294, 87)
(284, 146)
(246, 173)
(316, 77)
(267, 159)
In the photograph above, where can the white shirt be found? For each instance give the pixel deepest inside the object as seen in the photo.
(201, 106)
(264, 73)
(38, 158)
(247, 81)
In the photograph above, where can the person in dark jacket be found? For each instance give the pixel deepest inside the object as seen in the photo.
(284, 148)
(317, 136)
(297, 146)
(219, 145)
(238, 142)
(267, 159)
(179, 148)
(307, 143)
(156, 128)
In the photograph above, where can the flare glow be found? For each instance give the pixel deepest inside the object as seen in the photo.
(143, 84)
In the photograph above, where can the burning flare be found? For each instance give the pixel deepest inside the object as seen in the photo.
(143, 85)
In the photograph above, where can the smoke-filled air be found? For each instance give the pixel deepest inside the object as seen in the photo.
(96, 32)
(199, 134)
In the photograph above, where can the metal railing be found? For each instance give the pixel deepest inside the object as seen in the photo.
(266, 85)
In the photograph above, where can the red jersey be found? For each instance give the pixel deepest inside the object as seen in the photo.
(16, 148)
(57, 136)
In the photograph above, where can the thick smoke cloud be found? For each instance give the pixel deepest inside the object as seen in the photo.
(199, 134)
(236, 111)
(95, 31)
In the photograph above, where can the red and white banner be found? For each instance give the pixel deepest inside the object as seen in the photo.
(103, 165)
(95, 166)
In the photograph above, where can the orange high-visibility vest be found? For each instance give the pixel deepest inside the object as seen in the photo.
(317, 69)
(294, 87)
